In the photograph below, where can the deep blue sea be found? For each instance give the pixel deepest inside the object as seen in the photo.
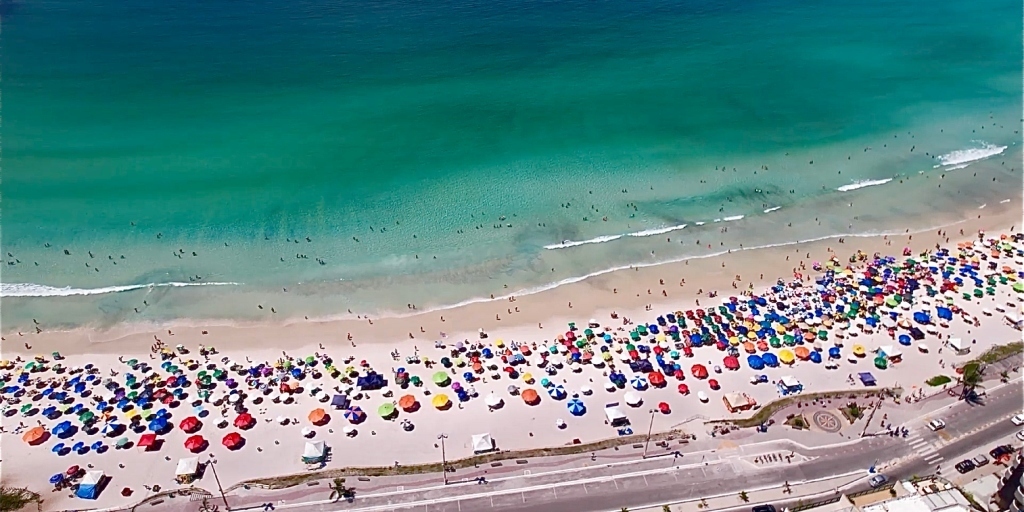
(370, 154)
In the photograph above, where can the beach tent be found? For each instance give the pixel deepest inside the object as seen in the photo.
(866, 378)
(790, 384)
(89, 487)
(482, 443)
(958, 346)
(615, 416)
(314, 452)
(186, 469)
(340, 402)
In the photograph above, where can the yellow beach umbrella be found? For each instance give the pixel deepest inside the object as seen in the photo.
(528, 378)
(858, 350)
(734, 341)
(786, 356)
(499, 342)
(440, 401)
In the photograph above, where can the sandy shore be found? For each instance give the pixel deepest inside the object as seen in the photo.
(535, 318)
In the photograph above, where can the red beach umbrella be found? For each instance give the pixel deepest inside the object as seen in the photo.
(664, 408)
(699, 371)
(731, 362)
(195, 443)
(657, 379)
(684, 389)
(190, 424)
(243, 420)
(232, 440)
(146, 440)
(714, 384)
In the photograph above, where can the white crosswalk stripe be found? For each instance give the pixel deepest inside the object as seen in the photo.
(923, 448)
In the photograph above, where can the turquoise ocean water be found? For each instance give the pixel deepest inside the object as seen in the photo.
(434, 154)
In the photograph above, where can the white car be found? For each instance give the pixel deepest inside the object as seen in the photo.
(936, 425)
(1018, 419)
(702, 396)
(1020, 435)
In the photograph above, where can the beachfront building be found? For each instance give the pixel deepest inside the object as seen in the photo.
(186, 470)
(929, 495)
(1010, 495)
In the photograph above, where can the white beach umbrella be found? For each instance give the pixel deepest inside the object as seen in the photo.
(306, 431)
(586, 390)
(632, 399)
(493, 400)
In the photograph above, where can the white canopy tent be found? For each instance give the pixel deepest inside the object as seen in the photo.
(482, 443)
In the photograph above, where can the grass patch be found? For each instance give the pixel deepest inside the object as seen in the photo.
(938, 380)
(280, 482)
(797, 421)
(1000, 352)
(852, 411)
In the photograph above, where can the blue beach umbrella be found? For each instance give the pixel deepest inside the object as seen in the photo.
(755, 361)
(57, 448)
(834, 353)
(904, 339)
(638, 382)
(557, 392)
(79, 446)
(576, 407)
(49, 411)
(56, 479)
(770, 359)
(158, 425)
(61, 428)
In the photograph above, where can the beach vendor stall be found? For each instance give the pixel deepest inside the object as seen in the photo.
(958, 346)
(91, 485)
(615, 416)
(735, 402)
(315, 452)
(482, 443)
(187, 470)
(789, 385)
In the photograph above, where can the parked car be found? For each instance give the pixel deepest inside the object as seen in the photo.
(878, 481)
(1000, 451)
(1020, 435)
(965, 466)
(980, 460)
(763, 508)
(936, 425)
(1018, 419)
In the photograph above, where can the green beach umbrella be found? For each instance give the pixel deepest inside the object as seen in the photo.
(415, 380)
(386, 409)
(202, 374)
(588, 332)
(440, 378)
(132, 362)
(132, 395)
(26, 408)
(121, 443)
(774, 342)
(218, 373)
(881, 363)
(1018, 287)
(310, 360)
(86, 416)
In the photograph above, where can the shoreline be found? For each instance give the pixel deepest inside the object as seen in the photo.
(626, 286)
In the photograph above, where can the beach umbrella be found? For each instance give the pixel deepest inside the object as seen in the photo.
(189, 424)
(834, 353)
(786, 356)
(576, 407)
(657, 379)
(56, 479)
(632, 399)
(440, 401)
(243, 420)
(770, 359)
(441, 378)
(57, 448)
(731, 362)
(78, 447)
(354, 414)
(85, 416)
(557, 392)
(61, 428)
(97, 446)
(35, 435)
(121, 443)
(493, 401)
(683, 389)
(386, 410)
(699, 371)
(232, 440)
(638, 382)
(664, 407)
(407, 402)
(195, 443)
(158, 425)
(530, 396)
(316, 416)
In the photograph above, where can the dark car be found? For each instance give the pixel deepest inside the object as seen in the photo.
(878, 481)
(965, 466)
(763, 508)
(1000, 451)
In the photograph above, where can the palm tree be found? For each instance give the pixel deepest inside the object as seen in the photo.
(15, 499)
(970, 379)
(744, 497)
(339, 490)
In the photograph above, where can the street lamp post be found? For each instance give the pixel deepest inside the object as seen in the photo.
(649, 430)
(213, 466)
(444, 461)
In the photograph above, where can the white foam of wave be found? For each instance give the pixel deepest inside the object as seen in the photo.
(772, 209)
(1004, 201)
(42, 290)
(863, 183)
(732, 218)
(571, 280)
(982, 206)
(699, 223)
(963, 156)
(658, 231)
(957, 166)
(570, 243)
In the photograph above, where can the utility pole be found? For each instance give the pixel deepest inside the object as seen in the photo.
(444, 462)
(649, 430)
(213, 466)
